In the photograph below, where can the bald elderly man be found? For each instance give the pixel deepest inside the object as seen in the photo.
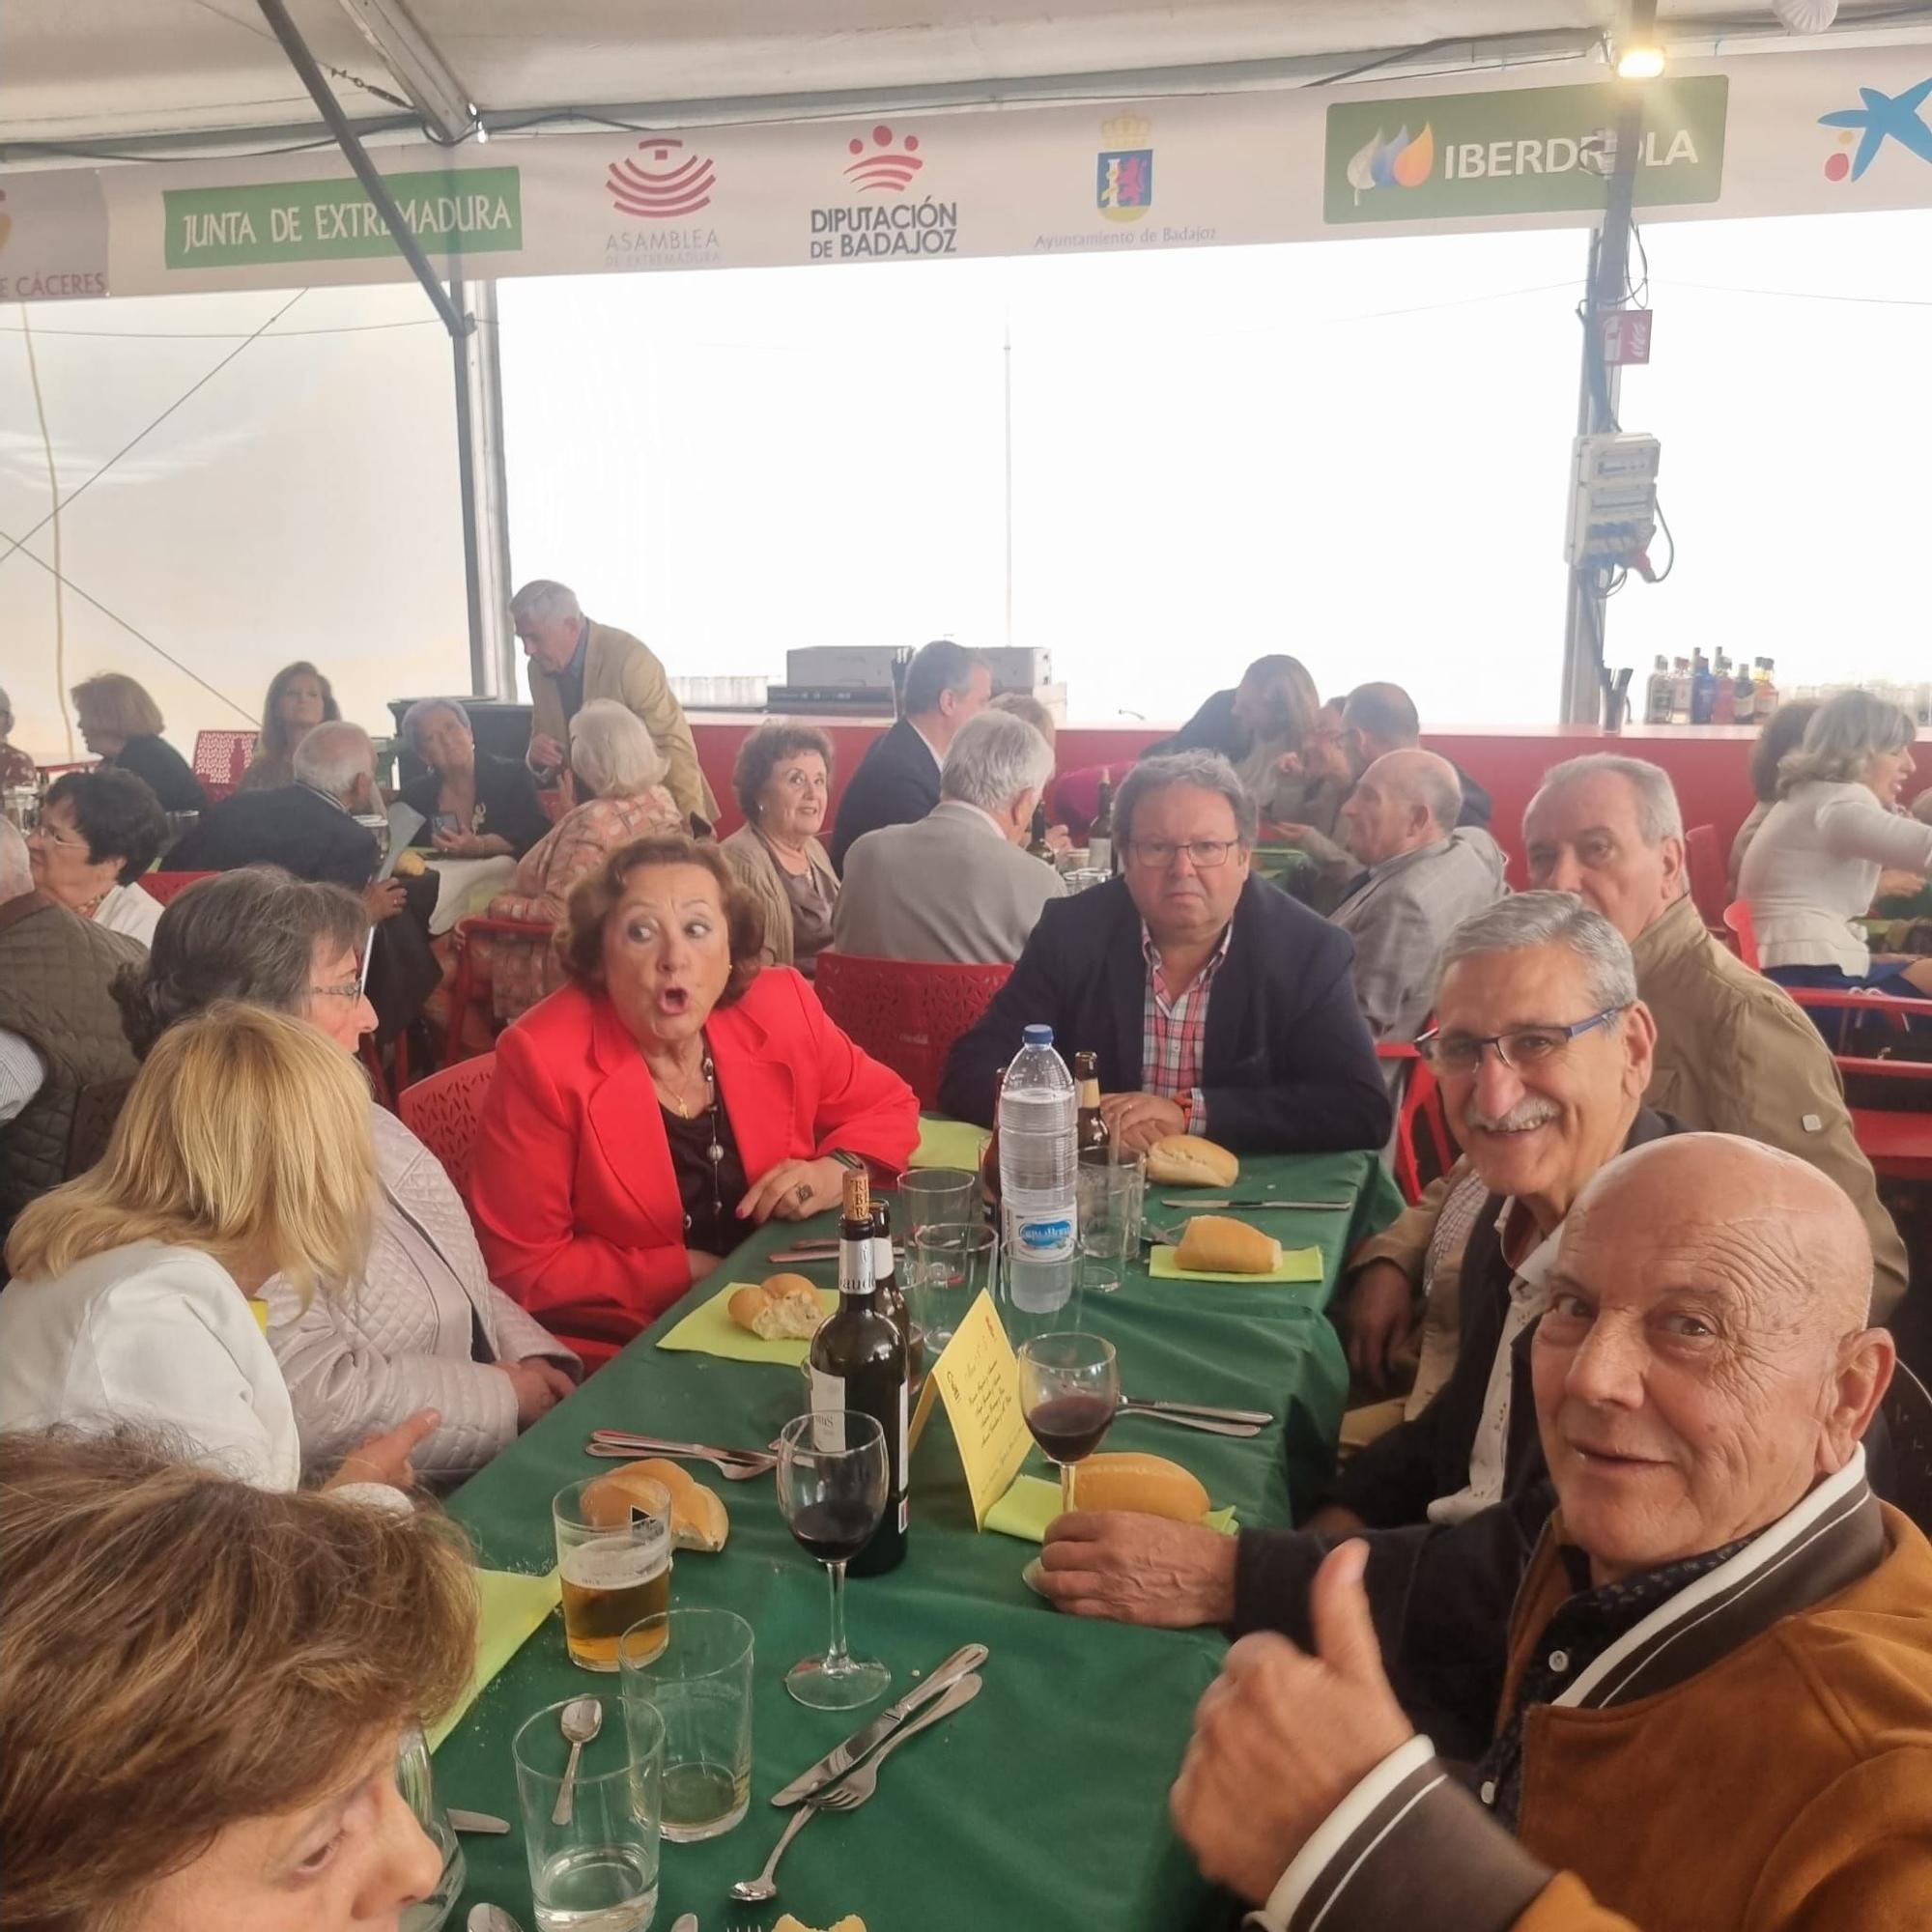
(1716, 1714)
(1423, 877)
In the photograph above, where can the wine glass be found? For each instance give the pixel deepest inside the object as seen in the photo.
(1070, 1388)
(832, 1479)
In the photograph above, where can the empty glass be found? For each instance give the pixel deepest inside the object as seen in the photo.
(599, 1871)
(693, 1667)
(952, 1261)
(417, 1783)
(929, 1194)
(1112, 1186)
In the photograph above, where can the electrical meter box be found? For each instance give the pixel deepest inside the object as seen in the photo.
(1612, 502)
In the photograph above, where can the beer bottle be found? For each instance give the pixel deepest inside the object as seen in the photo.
(1089, 1130)
(1100, 833)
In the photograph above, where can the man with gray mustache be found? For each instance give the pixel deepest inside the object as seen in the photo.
(1543, 1050)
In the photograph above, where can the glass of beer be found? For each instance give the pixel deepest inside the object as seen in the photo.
(613, 1558)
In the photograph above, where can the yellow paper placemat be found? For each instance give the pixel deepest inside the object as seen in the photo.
(948, 1143)
(1295, 1264)
(1033, 1502)
(709, 1330)
(510, 1609)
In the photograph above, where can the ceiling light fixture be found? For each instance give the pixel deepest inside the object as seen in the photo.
(1640, 52)
(1804, 16)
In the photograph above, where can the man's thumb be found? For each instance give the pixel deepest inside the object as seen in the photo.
(1345, 1633)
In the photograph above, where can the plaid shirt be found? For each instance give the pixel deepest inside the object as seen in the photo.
(1175, 1030)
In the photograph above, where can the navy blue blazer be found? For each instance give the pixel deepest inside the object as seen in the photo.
(1289, 1067)
(897, 784)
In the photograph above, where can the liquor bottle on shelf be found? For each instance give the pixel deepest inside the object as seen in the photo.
(1703, 689)
(1657, 693)
(859, 1361)
(1037, 844)
(1100, 833)
(892, 1298)
(1679, 692)
(1724, 698)
(1089, 1130)
(1744, 698)
(1763, 692)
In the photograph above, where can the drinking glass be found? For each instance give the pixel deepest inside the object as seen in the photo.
(952, 1261)
(418, 1784)
(929, 1194)
(613, 1555)
(831, 1487)
(1112, 1183)
(599, 1872)
(694, 1668)
(1070, 1388)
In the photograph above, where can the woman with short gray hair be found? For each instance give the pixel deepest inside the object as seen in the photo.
(617, 773)
(473, 806)
(1814, 867)
(783, 781)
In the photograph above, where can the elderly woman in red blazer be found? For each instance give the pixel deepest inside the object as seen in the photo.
(646, 1116)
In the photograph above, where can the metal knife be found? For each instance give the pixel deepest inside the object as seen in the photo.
(479, 1822)
(868, 1739)
(1258, 1416)
(1257, 1201)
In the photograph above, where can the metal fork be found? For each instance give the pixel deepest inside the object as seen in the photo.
(856, 1786)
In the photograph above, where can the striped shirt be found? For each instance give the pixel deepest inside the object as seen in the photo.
(1175, 1030)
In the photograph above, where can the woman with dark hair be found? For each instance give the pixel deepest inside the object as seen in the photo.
(1782, 733)
(300, 699)
(421, 1326)
(473, 806)
(646, 1116)
(98, 832)
(122, 726)
(783, 781)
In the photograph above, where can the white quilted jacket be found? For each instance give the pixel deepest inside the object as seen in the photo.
(402, 1338)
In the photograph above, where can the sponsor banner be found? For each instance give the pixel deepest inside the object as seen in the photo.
(1762, 135)
(1533, 150)
(53, 238)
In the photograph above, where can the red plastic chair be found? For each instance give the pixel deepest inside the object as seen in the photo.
(906, 1013)
(1897, 1144)
(220, 757)
(1419, 1112)
(1743, 929)
(1704, 860)
(467, 988)
(443, 1110)
(169, 885)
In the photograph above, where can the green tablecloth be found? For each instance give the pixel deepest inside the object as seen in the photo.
(1044, 1803)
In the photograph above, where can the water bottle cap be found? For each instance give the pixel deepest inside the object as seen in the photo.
(1036, 1035)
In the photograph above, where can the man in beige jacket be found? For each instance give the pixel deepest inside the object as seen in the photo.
(573, 661)
(1734, 1055)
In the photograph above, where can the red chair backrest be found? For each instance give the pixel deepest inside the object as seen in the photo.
(906, 1013)
(1704, 860)
(443, 1110)
(167, 885)
(220, 757)
(1419, 1113)
(1744, 930)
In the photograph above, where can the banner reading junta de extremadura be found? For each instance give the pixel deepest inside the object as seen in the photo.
(1819, 133)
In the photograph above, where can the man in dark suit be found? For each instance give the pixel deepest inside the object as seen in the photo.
(1216, 1005)
(898, 781)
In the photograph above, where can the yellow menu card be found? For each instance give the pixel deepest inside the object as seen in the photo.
(978, 1380)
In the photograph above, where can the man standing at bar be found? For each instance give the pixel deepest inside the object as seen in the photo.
(573, 661)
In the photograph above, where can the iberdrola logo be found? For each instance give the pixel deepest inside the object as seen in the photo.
(1407, 161)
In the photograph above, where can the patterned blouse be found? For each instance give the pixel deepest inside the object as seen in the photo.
(521, 971)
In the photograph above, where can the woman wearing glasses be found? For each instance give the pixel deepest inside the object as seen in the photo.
(98, 832)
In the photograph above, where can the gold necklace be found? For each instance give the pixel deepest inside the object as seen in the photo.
(676, 1100)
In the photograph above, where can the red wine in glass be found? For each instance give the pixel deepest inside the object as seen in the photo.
(834, 1532)
(1070, 1388)
(1069, 1428)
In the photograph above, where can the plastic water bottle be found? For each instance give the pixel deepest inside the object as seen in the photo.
(1039, 1206)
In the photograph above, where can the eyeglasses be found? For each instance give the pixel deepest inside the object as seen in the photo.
(49, 836)
(1203, 854)
(350, 990)
(1519, 1047)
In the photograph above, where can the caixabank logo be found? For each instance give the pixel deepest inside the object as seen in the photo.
(884, 165)
(1895, 118)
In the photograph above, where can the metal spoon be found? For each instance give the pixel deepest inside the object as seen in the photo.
(491, 1918)
(757, 1890)
(582, 1718)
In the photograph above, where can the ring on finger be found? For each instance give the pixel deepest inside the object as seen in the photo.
(802, 1193)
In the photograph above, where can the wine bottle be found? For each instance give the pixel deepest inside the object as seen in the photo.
(1037, 846)
(1089, 1130)
(858, 1362)
(892, 1298)
(1100, 833)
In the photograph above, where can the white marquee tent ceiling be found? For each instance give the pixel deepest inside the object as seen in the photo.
(79, 71)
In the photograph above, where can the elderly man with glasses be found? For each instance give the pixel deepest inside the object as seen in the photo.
(1716, 1680)
(1543, 1050)
(1214, 1002)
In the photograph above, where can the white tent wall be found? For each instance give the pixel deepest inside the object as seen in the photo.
(300, 503)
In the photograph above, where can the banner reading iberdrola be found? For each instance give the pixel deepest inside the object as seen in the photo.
(1523, 151)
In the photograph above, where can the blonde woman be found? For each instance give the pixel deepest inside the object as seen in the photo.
(203, 1690)
(243, 1152)
(621, 783)
(122, 726)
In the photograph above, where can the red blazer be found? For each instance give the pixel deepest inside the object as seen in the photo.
(571, 1184)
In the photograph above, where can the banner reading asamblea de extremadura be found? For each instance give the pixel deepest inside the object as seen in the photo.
(1759, 134)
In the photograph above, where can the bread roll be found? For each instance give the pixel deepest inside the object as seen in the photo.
(1216, 1245)
(1185, 1160)
(1149, 1485)
(698, 1519)
(786, 1306)
(851, 1922)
